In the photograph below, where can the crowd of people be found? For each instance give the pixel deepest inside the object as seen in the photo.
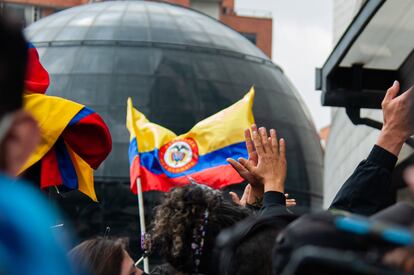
(196, 229)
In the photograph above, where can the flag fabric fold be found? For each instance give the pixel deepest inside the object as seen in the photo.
(164, 160)
(74, 139)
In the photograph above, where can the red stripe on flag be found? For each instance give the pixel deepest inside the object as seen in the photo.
(90, 139)
(216, 177)
(37, 78)
(50, 174)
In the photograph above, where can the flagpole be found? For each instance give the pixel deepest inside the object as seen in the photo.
(142, 219)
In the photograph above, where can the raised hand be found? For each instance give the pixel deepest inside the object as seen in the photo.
(398, 119)
(270, 169)
(245, 199)
(252, 158)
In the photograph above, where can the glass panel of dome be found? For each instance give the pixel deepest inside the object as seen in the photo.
(131, 33)
(197, 38)
(158, 10)
(216, 28)
(119, 159)
(83, 19)
(72, 33)
(141, 9)
(118, 129)
(162, 21)
(133, 19)
(59, 60)
(175, 64)
(88, 8)
(176, 12)
(59, 21)
(166, 35)
(206, 67)
(108, 18)
(47, 34)
(90, 91)
(100, 33)
(186, 25)
(133, 60)
(243, 73)
(277, 78)
(94, 60)
(211, 98)
(60, 84)
(220, 40)
(116, 7)
(135, 86)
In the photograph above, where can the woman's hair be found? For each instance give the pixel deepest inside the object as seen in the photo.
(99, 256)
(191, 217)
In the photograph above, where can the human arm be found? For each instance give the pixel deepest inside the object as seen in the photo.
(369, 190)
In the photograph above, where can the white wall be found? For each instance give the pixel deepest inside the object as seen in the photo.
(347, 146)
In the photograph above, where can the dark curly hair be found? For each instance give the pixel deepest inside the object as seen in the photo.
(180, 212)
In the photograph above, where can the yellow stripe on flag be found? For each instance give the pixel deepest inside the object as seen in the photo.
(52, 115)
(225, 127)
(85, 175)
(215, 132)
(149, 135)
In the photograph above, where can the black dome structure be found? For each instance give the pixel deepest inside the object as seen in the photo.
(179, 66)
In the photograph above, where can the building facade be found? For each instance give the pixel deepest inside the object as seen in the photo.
(346, 144)
(256, 28)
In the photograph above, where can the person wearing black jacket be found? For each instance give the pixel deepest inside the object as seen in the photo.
(366, 192)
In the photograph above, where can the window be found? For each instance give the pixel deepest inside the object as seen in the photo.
(25, 14)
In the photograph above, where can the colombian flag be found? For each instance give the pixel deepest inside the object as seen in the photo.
(74, 139)
(164, 160)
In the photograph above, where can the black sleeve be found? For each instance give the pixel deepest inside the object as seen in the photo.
(368, 190)
(274, 203)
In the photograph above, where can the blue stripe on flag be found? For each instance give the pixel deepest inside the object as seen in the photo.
(80, 115)
(150, 160)
(66, 168)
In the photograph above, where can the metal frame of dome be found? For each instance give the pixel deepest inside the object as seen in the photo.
(263, 58)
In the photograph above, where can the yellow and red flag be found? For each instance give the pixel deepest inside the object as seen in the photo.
(164, 160)
(74, 139)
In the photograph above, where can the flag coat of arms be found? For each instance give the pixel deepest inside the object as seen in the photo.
(74, 139)
(164, 160)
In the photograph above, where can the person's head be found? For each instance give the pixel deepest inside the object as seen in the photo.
(245, 257)
(19, 132)
(237, 247)
(187, 223)
(102, 256)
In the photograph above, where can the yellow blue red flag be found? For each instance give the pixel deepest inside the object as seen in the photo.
(164, 160)
(74, 139)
